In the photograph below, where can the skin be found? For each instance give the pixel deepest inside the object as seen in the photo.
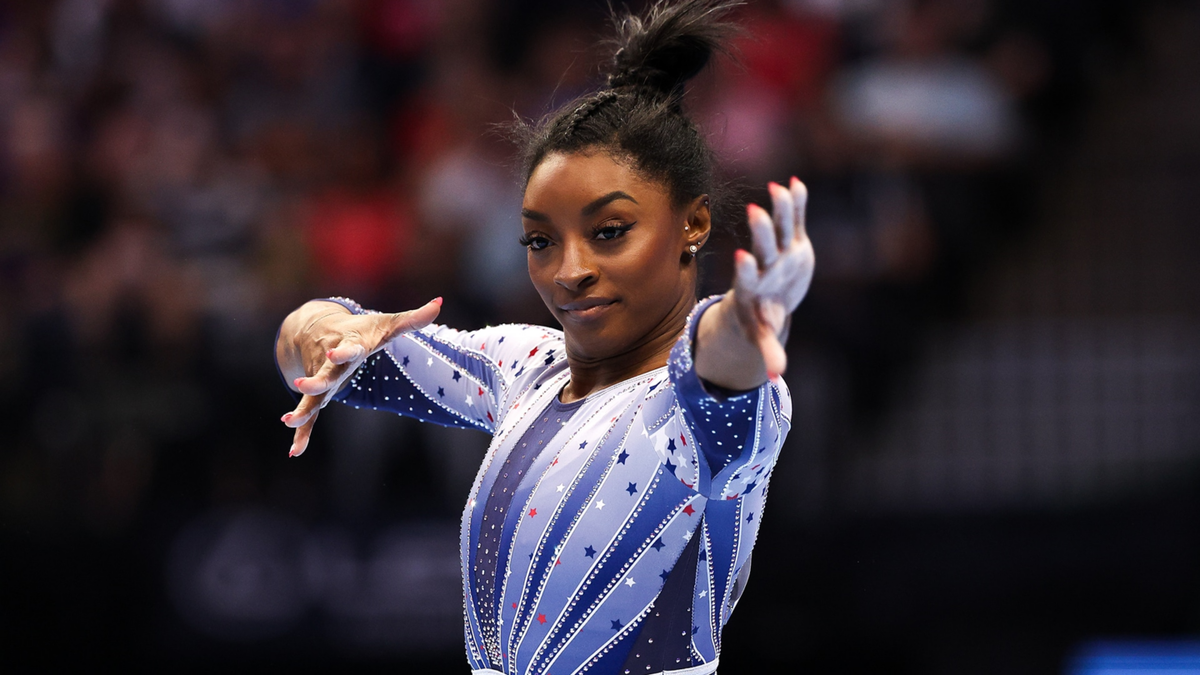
(608, 254)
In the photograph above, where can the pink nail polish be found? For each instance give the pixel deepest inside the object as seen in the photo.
(329, 354)
(437, 301)
(296, 382)
(292, 450)
(287, 417)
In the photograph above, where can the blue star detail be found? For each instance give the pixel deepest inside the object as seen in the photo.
(405, 361)
(664, 575)
(695, 629)
(589, 552)
(583, 445)
(549, 360)
(671, 445)
(750, 517)
(622, 457)
(501, 340)
(457, 376)
(531, 555)
(658, 545)
(441, 392)
(703, 555)
(655, 385)
(671, 467)
(632, 489)
(616, 624)
(749, 487)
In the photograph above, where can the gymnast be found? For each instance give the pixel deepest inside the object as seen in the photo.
(610, 526)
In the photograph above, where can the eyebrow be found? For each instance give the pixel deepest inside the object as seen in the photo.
(589, 209)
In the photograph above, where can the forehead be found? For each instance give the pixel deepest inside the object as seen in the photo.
(581, 177)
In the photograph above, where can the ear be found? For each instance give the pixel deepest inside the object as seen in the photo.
(698, 221)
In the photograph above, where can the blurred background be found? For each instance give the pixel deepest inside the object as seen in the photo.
(994, 465)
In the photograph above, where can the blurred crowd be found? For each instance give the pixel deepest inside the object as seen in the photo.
(176, 175)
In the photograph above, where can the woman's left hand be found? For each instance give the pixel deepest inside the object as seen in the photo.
(772, 281)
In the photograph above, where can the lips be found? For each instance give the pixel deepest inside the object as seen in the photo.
(586, 308)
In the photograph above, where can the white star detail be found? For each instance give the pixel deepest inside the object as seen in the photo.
(629, 582)
(703, 594)
(600, 505)
(429, 361)
(560, 487)
(687, 536)
(470, 402)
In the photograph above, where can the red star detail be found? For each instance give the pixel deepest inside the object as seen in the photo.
(483, 346)
(541, 618)
(481, 391)
(533, 351)
(501, 362)
(490, 417)
(532, 512)
(557, 562)
(514, 605)
(683, 439)
(733, 497)
(554, 462)
(688, 509)
(686, 484)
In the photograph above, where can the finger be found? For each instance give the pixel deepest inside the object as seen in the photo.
(763, 232)
(301, 437)
(774, 357)
(746, 275)
(347, 350)
(308, 408)
(322, 380)
(783, 211)
(403, 322)
(800, 203)
(790, 277)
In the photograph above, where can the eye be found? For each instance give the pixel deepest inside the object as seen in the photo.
(607, 232)
(534, 242)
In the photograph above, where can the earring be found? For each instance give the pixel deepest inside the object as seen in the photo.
(693, 248)
(686, 228)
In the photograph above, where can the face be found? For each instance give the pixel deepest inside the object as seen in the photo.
(606, 253)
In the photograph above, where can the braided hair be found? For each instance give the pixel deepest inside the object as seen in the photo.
(637, 116)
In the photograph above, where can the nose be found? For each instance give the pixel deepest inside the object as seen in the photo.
(575, 269)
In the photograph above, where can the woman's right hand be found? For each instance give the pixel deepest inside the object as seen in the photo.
(321, 344)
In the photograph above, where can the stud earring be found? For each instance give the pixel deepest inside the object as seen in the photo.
(686, 227)
(693, 248)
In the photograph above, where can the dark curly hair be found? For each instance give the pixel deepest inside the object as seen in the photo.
(637, 116)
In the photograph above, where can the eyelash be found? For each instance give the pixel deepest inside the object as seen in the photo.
(528, 240)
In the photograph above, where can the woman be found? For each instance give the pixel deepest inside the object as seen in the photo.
(610, 526)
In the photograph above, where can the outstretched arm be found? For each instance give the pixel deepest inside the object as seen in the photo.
(739, 342)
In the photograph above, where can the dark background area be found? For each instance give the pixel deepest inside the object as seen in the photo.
(996, 376)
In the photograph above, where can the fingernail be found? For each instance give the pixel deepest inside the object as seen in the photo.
(753, 211)
(329, 354)
(771, 185)
(296, 382)
(437, 301)
(287, 417)
(292, 451)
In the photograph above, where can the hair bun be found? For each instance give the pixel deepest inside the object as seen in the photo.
(669, 44)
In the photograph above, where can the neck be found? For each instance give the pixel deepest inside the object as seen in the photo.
(589, 375)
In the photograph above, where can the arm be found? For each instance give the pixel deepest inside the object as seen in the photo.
(739, 342)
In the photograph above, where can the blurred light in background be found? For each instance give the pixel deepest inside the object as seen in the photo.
(1136, 658)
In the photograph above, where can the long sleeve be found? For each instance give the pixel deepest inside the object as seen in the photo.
(455, 378)
(735, 437)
